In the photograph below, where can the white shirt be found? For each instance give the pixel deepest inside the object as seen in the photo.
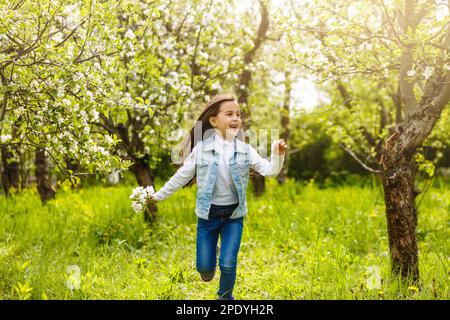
(224, 191)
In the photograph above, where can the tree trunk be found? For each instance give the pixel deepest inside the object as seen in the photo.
(245, 79)
(285, 130)
(10, 173)
(45, 189)
(259, 184)
(142, 172)
(24, 170)
(401, 214)
(145, 177)
(5, 178)
(398, 181)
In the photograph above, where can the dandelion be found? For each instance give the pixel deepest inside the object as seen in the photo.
(139, 197)
(413, 288)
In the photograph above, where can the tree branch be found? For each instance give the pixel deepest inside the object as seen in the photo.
(354, 156)
(406, 62)
(444, 97)
(4, 102)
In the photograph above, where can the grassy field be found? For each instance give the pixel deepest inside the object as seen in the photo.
(299, 242)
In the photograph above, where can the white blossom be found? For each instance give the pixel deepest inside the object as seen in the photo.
(95, 114)
(90, 95)
(215, 86)
(139, 197)
(130, 34)
(83, 115)
(411, 73)
(441, 13)
(137, 207)
(100, 149)
(109, 139)
(58, 37)
(5, 138)
(73, 14)
(428, 72)
(60, 92)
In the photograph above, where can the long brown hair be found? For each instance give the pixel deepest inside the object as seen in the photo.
(211, 109)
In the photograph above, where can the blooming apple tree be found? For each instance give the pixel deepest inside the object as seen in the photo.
(50, 58)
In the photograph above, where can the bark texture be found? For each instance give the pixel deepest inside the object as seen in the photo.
(45, 189)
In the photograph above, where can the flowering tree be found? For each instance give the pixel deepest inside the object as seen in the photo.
(142, 94)
(172, 58)
(107, 86)
(49, 62)
(245, 78)
(386, 45)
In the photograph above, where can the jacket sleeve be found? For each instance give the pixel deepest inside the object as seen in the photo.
(180, 178)
(265, 167)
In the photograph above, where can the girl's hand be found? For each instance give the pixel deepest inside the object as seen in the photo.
(280, 147)
(151, 200)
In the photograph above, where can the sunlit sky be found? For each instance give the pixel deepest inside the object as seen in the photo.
(304, 94)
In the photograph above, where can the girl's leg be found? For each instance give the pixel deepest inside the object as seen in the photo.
(207, 237)
(230, 237)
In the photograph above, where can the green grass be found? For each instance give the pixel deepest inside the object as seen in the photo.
(299, 242)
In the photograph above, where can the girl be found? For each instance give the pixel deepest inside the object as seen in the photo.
(220, 161)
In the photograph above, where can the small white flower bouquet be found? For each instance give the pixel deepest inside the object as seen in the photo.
(139, 198)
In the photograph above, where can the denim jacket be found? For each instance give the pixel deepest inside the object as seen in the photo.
(204, 164)
(206, 175)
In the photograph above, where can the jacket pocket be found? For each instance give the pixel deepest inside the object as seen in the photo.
(202, 171)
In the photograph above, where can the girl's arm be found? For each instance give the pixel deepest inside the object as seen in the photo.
(263, 166)
(179, 179)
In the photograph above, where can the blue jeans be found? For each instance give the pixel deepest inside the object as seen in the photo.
(230, 231)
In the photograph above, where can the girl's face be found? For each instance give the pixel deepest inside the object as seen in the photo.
(228, 121)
